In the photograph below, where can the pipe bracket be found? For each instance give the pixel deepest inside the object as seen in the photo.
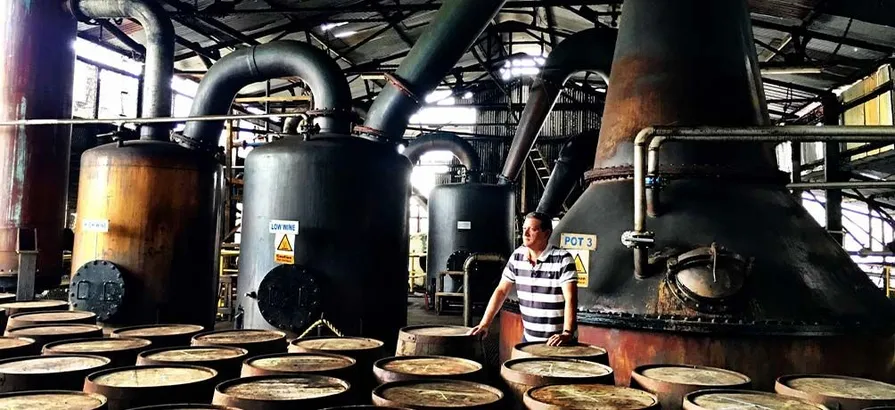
(402, 86)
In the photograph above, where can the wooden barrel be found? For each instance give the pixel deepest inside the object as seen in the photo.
(17, 346)
(12, 308)
(428, 340)
(226, 360)
(133, 386)
(589, 396)
(282, 392)
(52, 400)
(167, 335)
(523, 374)
(363, 350)
(121, 351)
(393, 369)
(43, 334)
(578, 351)
(7, 297)
(284, 364)
(187, 407)
(50, 316)
(845, 393)
(719, 399)
(256, 341)
(671, 382)
(60, 372)
(438, 394)
(366, 407)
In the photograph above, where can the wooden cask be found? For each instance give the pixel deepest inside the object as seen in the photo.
(164, 335)
(257, 342)
(13, 308)
(226, 360)
(523, 374)
(671, 382)
(50, 317)
(429, 340)
(186, 407)
(52, 400)
(43, 334)
(844, 393)
(578, 351)
(722, 399)
(11, 346)
(282, 392)
(438, 394)
(59, 372)
(588, 397)
(399, 368)
(364, 351)
(134, 386)
(285, 364)
(121, 351)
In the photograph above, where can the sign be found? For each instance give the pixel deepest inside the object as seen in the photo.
(578, 241)
(582, 264)
(95, 225)
(464, 225)
(290, 227)
(284, 249)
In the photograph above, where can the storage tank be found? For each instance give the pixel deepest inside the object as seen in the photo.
(146, 242)
(36, 82)
(740, 276)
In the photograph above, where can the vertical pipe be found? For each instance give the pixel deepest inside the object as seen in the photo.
(36, 78)
(796, 156)
(832, 173)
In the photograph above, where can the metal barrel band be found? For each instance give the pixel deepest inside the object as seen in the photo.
(402, 86)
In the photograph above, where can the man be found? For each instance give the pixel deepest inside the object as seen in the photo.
(546, 284)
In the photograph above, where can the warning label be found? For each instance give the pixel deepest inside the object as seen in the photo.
(284, 250)
(582, 263)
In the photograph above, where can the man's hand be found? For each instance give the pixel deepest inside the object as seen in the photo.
(559, 339)
(481, 329)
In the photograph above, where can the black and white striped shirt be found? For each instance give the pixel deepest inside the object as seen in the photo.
(539, 289)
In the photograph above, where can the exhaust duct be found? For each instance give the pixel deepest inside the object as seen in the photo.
(445, 141)
(576, 156)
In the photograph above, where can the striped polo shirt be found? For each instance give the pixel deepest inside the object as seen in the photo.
(539, 289)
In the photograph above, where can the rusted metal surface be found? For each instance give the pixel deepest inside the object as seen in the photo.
(837, 392)
(589, 396)
(282, 392)
(161, 335)
(134, 386)
(324, 364)
(580, 351)
(392, 369)
(36, 83)
(725, 399)
(762, 359)
(257, 342)
(670, 383)
(438, 394)
(63, 372)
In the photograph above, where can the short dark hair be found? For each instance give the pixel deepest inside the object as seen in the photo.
(546, 221)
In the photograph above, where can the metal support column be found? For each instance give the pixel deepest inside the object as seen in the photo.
(796, 156)
(832, 172)
(26, 248)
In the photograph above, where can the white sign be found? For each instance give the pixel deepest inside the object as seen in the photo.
(464, 225)
(284, 248)
(290, 227)
(578, 241)
(95, 225)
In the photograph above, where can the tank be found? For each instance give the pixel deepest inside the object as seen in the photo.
(468, 218)
(147, 234)
(740, 276)
(36, 80)
(325, 234)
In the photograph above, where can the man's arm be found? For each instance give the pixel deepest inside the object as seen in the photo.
(569, 282)
(497, 299)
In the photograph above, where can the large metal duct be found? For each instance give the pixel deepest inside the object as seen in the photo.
(452, 31)
(35, 82)
(740, 275)
(446, 141)
(576, 156)
(565, 60)
(159, 68)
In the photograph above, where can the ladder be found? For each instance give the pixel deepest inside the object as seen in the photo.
(540, 165)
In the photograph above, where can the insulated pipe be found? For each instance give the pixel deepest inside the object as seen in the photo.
(467, 271)
(446, 141)
(287, 58)
(452, 31)
(588, 50)
(159, 69)
(575, 158)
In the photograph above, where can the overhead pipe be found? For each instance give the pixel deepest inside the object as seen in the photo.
(576, 157)
(588, 50)
(287, 58)
(446, 141)
(452, 31)
(159, 67)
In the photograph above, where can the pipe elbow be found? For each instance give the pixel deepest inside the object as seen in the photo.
(644, 136)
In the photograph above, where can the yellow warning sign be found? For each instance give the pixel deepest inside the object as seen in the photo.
(582, 259)
(284, 245)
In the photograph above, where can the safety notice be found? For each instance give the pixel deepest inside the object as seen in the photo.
(582, 264)
(284, 250)
(95, 225)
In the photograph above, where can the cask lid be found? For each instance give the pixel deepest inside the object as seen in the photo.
(157, 330)
(429, 365)
(300, 362)
(97, 345)
(837, 391)
(238, 337)
(540, 349)
(56, 329)
(436, 393)
(589, 396)
(687, 375)
(554, 370)
(297, 387)
(152, 376)
(189, 354)
(337, 343)
(53, 316)
(717, 399)
(52, 400)
(33, 305)
(51, 364)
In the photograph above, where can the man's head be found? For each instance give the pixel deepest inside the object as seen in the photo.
(536, 230)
